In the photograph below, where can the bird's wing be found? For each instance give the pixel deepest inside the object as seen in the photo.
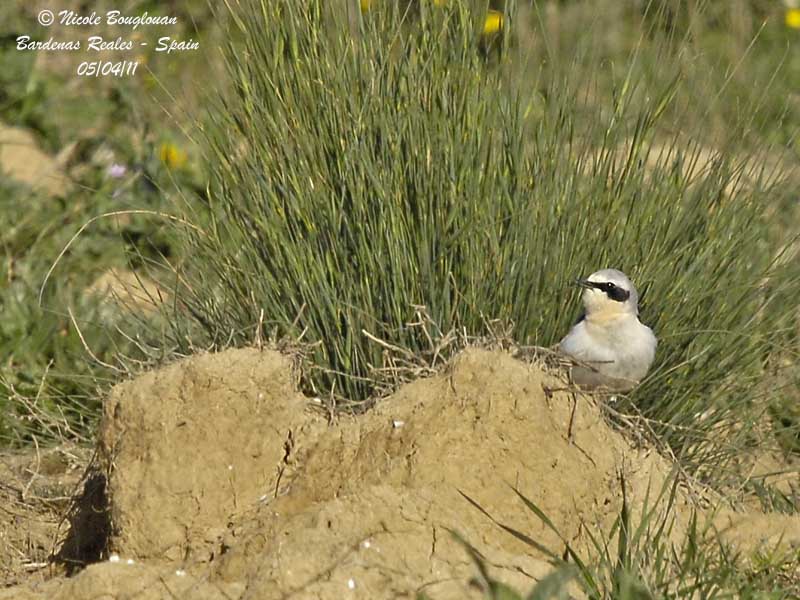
(574, 342)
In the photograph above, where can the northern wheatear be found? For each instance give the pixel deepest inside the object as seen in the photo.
(614, 347)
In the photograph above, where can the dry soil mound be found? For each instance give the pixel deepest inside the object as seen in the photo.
(221, 484)
(191, 447)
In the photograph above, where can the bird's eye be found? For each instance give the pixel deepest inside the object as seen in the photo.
(615, 292)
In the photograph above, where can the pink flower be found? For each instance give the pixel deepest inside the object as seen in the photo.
(116, 171)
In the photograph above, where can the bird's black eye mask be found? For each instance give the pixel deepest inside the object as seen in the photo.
(614, 292)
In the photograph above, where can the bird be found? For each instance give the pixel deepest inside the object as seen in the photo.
(611, 348)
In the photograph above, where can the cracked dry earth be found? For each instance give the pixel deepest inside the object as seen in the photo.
(221, 483)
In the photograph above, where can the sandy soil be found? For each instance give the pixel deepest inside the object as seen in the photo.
(22, 160)
(125, 288)
(216, 480)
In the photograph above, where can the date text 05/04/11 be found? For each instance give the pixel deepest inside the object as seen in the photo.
(104, 68)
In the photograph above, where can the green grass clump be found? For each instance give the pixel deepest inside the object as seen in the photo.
(364, 165)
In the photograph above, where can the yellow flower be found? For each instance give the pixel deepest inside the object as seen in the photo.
(172, 156)
(493, 22)
(793, 18)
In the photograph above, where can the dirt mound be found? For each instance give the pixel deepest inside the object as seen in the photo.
(126, 580)
(189, 448)
(221, 483)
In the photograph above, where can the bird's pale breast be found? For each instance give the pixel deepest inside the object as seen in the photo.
(619, 353)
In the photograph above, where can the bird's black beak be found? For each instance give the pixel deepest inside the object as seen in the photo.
(583, 283)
